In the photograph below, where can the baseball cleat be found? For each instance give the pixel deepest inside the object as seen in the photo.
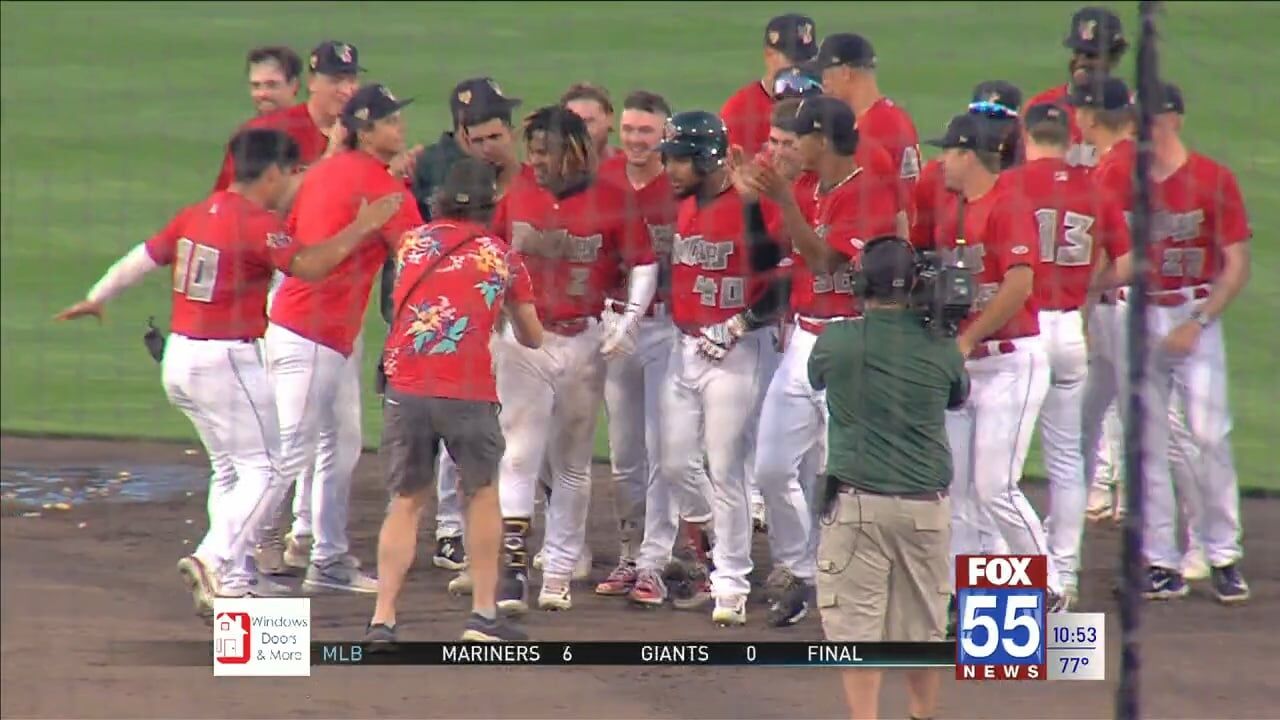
(788, 598)
(450, 554)
(554, 594)
(1229, 585)
(1194, 566)
(1164, 584)
(695, 592)
(649, 589)
(481, 629)
(758, 520)
(461, 584)
(260, 586)
(269, 555)
(730, 610)
(340, 574)
(620, 581)
(200, 582)
(513, 590)
(297, 551)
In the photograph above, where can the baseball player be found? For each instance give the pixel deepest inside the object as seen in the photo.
(593, 104)
(273, 77)
(1077, 223)
(1105, 117)
(847, 65)
(313, 340)
(634, 380)
(720, 296)
(453, 284)
(827, 229)
(223, 251)
(789, 40)
(1097, 43)
(574, 233)
(994, 233)
(1199, 264)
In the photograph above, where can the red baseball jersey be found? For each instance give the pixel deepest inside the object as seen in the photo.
(879, 165)
(438, 343)
(1080, 152)
(891, 127)
(853, 213)
(604, 230)
(223, 252)
(1114, 174)
(297, 123)
(331, 311)
(656, 202)
(711, 276)
(1198, 213)
(999, 234)
(746, 116)
(1076, 223)
(929, 194)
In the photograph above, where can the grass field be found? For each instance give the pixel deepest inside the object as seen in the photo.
(114, 115)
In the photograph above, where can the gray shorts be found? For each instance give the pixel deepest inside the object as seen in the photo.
(415, 425)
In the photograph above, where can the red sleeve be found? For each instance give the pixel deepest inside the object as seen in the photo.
(732, 115)
(162, 247)
(226, 174)
(520, 287)
(1115, 230)
(634, 243)
(406, 219)
(280, 247)
(1231, 219)
(1012, 227)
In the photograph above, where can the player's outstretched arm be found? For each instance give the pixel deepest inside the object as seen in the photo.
(124, 273)
(314, 262)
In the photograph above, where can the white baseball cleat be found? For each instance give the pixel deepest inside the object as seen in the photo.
(297, 551)
(461, 585)
(554, 594)
(730, 610)
(1194, 565)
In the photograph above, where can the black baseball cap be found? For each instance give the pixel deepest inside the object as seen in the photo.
(371, 102)
(998, 92)
(888, 264)
(332, 57)
(1100, 93)
(1170, 100)
(470, 182)
(843, 49)
(1045, 113)
(972, 132)
(1096, 31)
(792, 35)
(829, 117)
(479, 97)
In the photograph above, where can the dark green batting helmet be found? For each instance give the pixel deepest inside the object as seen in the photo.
(698, 135)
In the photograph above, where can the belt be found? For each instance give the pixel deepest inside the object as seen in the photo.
(1170, 298)
(228, 340)
(992, 348)
(848, 489)
(816, 325)
(568, 328)
(1107, 298)
(657, 308)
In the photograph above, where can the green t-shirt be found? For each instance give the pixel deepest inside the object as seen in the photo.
(888, 382)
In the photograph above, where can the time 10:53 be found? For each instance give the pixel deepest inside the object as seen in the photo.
(1075, 635)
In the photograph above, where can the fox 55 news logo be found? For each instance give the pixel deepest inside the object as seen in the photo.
(1000, 600)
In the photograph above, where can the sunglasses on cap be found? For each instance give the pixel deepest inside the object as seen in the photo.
(990, 109)
(796, 85)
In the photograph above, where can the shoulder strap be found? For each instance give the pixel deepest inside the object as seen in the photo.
(430, 269)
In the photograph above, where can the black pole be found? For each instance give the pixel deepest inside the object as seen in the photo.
(1134, 566)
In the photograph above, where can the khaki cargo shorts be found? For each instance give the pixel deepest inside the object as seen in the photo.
(883, 569)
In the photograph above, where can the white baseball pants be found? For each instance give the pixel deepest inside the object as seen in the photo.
(448, 498)
(221, 386)
(771, 360)
(711, 404)
(1060, 438)
(318, 401)
(550, 405)
(791, 456)
(990, 436)
(1197, 385)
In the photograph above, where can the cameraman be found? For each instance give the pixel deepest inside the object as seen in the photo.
(883, 555)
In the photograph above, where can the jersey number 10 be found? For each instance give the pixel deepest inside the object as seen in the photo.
(195, 270)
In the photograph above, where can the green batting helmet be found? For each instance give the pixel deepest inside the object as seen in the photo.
(699, 135)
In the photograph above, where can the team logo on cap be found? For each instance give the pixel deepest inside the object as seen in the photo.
(805, 32)
(1087, 30)
(464, 97)
(315, 61)
(344, 53)
(774, 37)
(361, 114)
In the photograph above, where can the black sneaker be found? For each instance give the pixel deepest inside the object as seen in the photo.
(450, 554)
(380, 634)
(481, 629)
(1164, 584)
(513, 590)
(1229, 585)
(788, 599)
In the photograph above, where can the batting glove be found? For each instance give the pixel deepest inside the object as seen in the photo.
(717, 340)
(619, 331)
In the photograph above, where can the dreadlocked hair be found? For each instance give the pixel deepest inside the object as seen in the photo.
(564, 125)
